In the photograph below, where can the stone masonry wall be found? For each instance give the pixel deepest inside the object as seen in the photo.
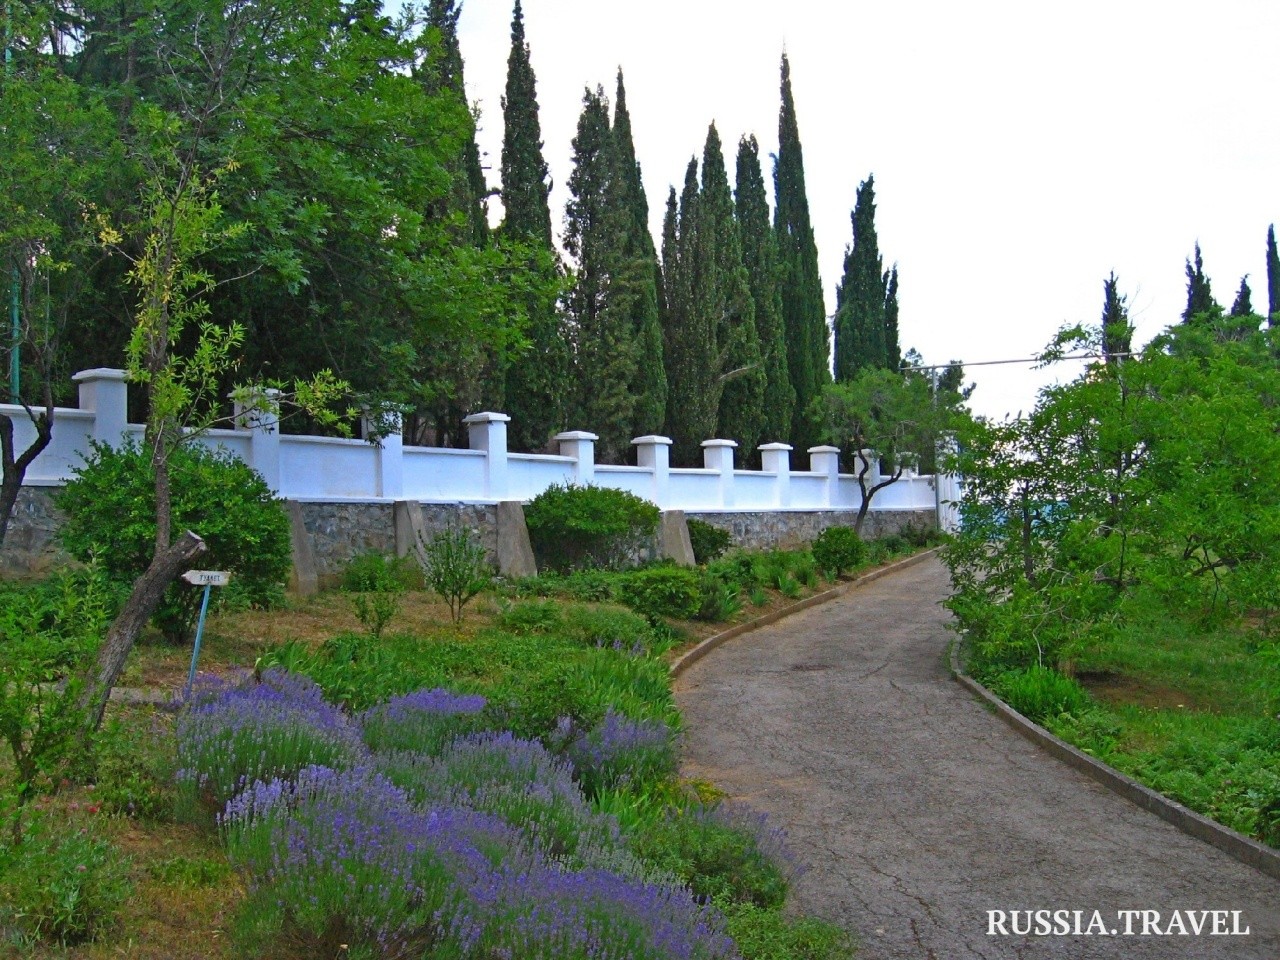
(795, 528)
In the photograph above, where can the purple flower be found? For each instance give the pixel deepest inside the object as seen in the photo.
(423, 721)
(619, 750)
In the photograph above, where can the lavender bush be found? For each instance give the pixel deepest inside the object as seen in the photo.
(344, 857)
(424, 721)
(230, 735)
(619, 751)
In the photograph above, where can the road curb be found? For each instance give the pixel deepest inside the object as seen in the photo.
(1247, 851)
(694, 654)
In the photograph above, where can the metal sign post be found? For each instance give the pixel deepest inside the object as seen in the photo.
(208, 579)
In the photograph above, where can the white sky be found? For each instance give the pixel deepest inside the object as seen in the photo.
(1021, 150)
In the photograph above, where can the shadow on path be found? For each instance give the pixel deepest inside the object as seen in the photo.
(917, 812)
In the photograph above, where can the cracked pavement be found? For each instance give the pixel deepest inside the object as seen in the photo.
(915, 811)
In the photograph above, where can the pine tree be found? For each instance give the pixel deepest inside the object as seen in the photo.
(1273, 276)
(862, 295)
(649, 387)
(1117, 332)
(1199, 296)
(535, 379)
(1243, 304)
(742, 373)
(803, 311)
(599, 324)
(760, 257)
(892, 346)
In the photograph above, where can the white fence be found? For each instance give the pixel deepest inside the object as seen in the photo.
(324, 468)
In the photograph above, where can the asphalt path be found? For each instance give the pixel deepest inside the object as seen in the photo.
(919, 816)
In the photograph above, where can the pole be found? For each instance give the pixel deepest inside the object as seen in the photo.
(195, 653)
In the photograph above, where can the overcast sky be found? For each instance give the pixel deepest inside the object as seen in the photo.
(1021, 151)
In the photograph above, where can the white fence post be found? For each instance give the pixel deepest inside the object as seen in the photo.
(259, 413)
(104, 391)
(581, 446)
(873, 464)
(718, 455)
(389, 478)
(826, 461)
(654, 453)
(775, 458)
(488, 432)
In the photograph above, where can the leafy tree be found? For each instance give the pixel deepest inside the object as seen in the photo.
(803, 311)
(1242, 306)
(861, 299)
(881, 416)
(1199, 297)
(536, 376)
(760, 257)
(597, 314)
(1273, 275)
(649, 386)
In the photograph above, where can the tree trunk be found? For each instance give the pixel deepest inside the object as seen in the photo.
(15, 469)
(128, 624)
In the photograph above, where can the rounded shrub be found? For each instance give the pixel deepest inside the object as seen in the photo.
(709, 542)
(838, 549)
(675, 592)
(110, 507)
(572, 527)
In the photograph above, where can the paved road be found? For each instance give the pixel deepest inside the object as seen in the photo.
(917, 812)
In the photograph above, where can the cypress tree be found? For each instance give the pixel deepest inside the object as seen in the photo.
(1273, 276)
(803, 312)
(599, 324)
(649, 387)
(741, 380)
(1243, 304)
(535, 380)
(862, 294)
(760, 257)
(892, 346)
(1199, 296)
(1117, 332)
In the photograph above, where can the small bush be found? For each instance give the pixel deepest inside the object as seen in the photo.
(530, 616)
(611, 627)
(762, 934)
(620, 751)
(573, 527)
(838, 550)
(720, 600)
(1039, 693)
(424, 722)
(454, 565)
(656, 592)
(374, 572)
(709, 542)
(59, 884)
(110, 508)
(376, 610)
(134, 765)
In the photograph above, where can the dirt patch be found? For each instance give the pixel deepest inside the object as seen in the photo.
(1117, 689)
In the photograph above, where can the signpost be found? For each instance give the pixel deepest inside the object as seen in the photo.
(207, 579)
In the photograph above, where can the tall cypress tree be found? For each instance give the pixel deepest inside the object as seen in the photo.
(649, 387)
(1117, 332)
(1273, 276)
(892, 345)
(535, 380)
(862, 294)
(741, 372)
(598, 319)
(760, 257)
(1242, 306)
(1199, 296)
(803, 312)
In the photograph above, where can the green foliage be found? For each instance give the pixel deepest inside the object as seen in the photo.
(862, 299)
(762, 934)
(134, 763)
(1040, 692)
(373, 572)
(47, 635)
(658, 592)
(709, 542)
(59, 884)
(190, 873)
(455, 566)
(574, 526)
(376, 610)
(110, 508)
(838, 549)
(720, 600)
(530, 616)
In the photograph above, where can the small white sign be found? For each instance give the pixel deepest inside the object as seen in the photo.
(207, 578)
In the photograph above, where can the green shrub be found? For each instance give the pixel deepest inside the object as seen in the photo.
(762, 934)
(454, 565)
(375, 572)
(134, 764)
(572, 527)
(611, 627)
(530, 616)
(838, 550)
(709, 542)
(720, 600)
(1038, 693)
(110, 509)
(656, 592)
(376, 610)
(59, 884)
